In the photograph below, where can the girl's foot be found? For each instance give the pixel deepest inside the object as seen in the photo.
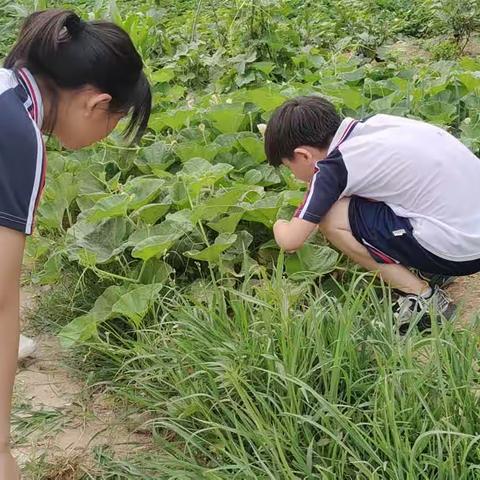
(27, 348)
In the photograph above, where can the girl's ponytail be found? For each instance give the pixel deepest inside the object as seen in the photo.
(69, 53)
(41, 36)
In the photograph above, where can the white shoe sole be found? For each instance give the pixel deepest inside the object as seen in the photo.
(27, 348)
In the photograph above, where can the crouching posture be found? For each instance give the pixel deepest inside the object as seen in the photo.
(397, 196)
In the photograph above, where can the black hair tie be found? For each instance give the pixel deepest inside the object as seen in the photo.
(75, 25)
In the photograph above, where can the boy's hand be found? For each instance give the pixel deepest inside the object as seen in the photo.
(291, 235)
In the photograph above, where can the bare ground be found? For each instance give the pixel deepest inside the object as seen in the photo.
(466, 293)
(57, 423)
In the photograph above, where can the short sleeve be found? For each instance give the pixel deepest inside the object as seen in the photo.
(327, 186)
(22, 164)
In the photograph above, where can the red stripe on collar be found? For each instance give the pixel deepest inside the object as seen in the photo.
(32, 90)
(347, 132)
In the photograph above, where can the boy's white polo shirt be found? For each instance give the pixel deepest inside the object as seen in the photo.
(419, 170)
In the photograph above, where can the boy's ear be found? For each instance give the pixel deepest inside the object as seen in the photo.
(302, 154)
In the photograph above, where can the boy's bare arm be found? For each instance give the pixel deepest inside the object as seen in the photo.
(291, 235)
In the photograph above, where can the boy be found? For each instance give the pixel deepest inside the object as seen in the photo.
(389, 192)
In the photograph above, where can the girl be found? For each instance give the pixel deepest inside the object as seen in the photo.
(74, 80)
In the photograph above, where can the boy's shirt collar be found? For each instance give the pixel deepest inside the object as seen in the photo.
(33, 103)
(344, 130)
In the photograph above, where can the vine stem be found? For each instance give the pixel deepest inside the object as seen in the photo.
(103, 273)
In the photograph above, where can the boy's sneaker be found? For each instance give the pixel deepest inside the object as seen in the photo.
(436, 304)
(436, 279)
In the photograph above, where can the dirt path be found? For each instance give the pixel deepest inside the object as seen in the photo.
(466, 293)
(57, 423)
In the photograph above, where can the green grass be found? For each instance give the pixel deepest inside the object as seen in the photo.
(277, 380)
(27, 422)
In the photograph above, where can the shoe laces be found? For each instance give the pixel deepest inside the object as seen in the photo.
(408, 305)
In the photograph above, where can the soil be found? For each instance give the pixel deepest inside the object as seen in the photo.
(79, 421)
(465, 291)
(412, 49)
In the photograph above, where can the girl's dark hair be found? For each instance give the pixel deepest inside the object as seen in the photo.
(309, 121)
(69, 53)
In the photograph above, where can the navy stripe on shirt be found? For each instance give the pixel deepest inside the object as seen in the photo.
(326, 187)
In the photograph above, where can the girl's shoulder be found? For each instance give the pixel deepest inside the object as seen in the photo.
(8, 80)
(18, 131)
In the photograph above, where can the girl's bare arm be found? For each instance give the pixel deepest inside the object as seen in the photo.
(11, 254)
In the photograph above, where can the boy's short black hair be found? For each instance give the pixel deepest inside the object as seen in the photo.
(311, 121)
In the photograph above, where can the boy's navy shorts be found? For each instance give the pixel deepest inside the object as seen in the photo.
(389, 239)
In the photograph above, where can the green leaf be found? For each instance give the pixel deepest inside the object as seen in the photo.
(265, 98)
(198, 173)
(469, 63)
(212, 253)
(155, 158)
(135, 304)
(471, 80)
(89, 179)
(253, 177)
(265, 67)
(354, 75)
(438, 112)
(350, 97)
(104, 240)
(222, 203)
(78, 330)
(182, 219)
(311, 260)
(156, 246)
(175, 119)
(102, 309)
(152, 213)
(189, 150)
(293, 197)
(58, 196)
(157, 240)
(83, 328)
(254, 147)
(88, 200)
(155, 271)
(174, 93)
(142, 190)
(226, 224)
(237, 251)
(108, 207)
(37, 247)
(470, 135)
(227, 118)
(178, 222)
(51, 271)
(164, 75)
(263, 211)
(270, 175)
(51, 212)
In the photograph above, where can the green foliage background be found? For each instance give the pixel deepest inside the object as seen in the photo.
(253, 364)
